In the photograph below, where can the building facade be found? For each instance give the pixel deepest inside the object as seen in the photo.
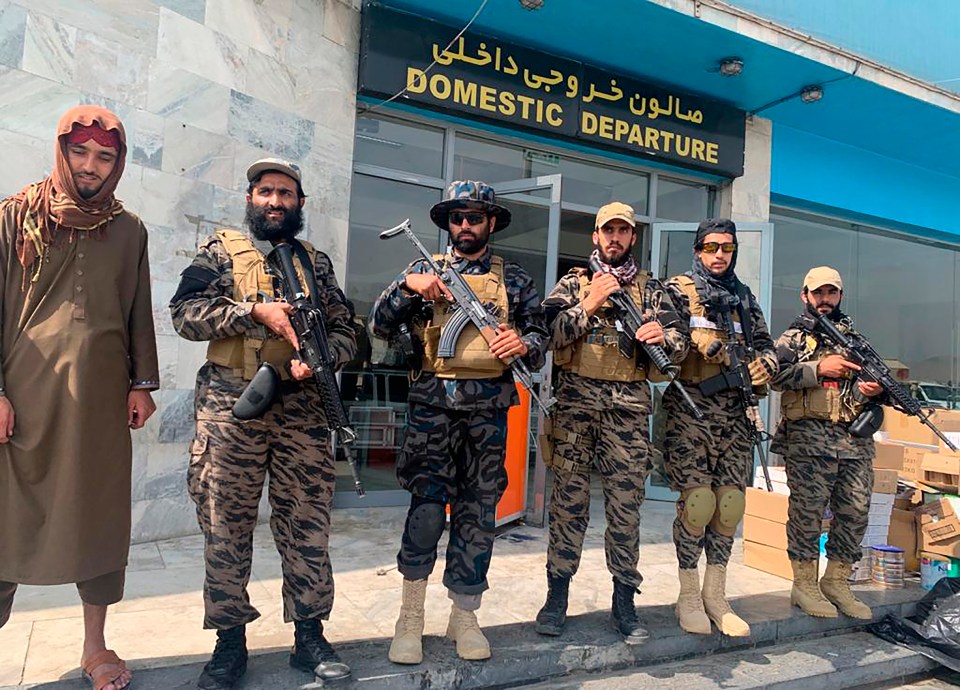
(824, 141)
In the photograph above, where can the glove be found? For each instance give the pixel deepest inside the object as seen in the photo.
(710, 347)
(761, 371)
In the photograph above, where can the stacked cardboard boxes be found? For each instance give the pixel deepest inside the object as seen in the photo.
(765, 532)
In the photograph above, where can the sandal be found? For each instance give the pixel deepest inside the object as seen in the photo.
(104, 668)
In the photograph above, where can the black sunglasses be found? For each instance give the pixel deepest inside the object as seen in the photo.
(473, 217)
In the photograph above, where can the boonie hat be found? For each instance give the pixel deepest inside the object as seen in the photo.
(470, 194)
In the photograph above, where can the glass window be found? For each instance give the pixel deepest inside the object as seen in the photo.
(412, 148)
(590, 184)
(478, 159)
(900, 293)
(685, 201)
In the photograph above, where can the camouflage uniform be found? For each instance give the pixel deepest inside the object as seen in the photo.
(454, 447)
(714, 452)
(600, 423)
(825, 464)
(229, 460)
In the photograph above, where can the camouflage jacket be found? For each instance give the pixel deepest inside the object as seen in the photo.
(798, 370)
(394, 307)
(568, 322)
(204, 308)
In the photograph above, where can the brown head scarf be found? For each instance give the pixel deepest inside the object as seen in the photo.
(55, 204)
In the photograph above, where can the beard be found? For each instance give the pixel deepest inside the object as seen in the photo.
(614, 263)
(471, 245)
(267, 230)
(834, 314)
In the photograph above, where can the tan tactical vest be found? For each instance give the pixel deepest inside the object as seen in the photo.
(596, 355)
(695, 368)
(245, 353)
(822, 402)
(472, 359)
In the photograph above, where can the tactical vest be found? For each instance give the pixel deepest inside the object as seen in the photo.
(245, 353)
(596, 354)
(472, 359)
(835, 403)
(695, 368)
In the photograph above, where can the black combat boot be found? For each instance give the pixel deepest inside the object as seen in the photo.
(625, 614)
(229, 660)
(311, 652)
(553, 615)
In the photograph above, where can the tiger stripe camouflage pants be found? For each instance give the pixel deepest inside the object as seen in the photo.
(712, 452)
(816, 482)
(455, 457)
(615, 442)
(229, 463)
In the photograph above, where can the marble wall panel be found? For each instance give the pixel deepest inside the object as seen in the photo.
(13, 29)
(262, 25)
(32, 105)
(167, 346)
(171, 250)
(111, 69)
(33, 158)
(130, 189)
(260, 125)
(306, 29)
(163, 518)
(145, 138)
(177, 420)
(341, 24)
(132, 23)
(229, 206)
(330, 235)
(195, 48)
(191, 9)
(168, 199)
(187, 97)
(271, 81)
(49, 48)
(192, 152)
(190, 358)
(162, 292)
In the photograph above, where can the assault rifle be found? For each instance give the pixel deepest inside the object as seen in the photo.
(633, 318)
(469, 309)
(872, 368)
(308, 323)
(736, 375)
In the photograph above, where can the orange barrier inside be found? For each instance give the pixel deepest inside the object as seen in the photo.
(514, 499)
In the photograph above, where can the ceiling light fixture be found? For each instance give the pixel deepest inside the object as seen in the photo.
(532, 4)
(731, 67)
(811, 94)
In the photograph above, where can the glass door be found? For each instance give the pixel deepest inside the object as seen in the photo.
(532, 240)
(672, 254)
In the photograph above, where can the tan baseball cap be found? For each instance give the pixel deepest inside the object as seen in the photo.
(615, 209)
(822, 275)
(274, 165)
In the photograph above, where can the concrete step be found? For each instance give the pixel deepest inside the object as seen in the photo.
(521, 656)
(850, 660)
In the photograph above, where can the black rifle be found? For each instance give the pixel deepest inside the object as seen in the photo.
(873, 368)
(736, 374)
(470, 310)
(308, 323)
(633, 318)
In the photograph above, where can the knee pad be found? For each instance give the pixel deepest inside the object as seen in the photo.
(425, 522)
(731, 503)
(699, 504)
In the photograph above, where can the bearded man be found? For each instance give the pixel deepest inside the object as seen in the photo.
(227, 297)
(79, 360)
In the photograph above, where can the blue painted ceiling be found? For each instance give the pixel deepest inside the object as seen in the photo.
(649, 41)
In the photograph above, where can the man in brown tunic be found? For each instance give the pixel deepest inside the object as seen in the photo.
(79, 360)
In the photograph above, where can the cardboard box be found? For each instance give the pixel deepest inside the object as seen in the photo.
(903, 533)
(901, 427)
(889, 456)
(761, 531)
(941, 471)
(939, 528)
(769, 559)
(777, 479)
(766, 505)
(948, 422)
(882, 499)
(885, 481)
(912, 458)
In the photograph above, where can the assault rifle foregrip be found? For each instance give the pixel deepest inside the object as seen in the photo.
(873, 368)
(472, 308)
(633, 318)
(314, 351)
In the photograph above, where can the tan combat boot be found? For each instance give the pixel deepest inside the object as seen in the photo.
(716, 605)
(465, 631)
(690, 613)
(806, 592)
(407, 644)
(836, 587)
